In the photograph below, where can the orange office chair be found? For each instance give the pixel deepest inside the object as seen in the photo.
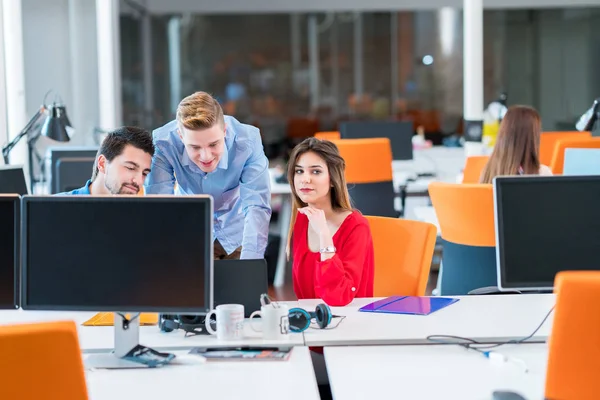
(558, 156)
(549, 139)
(333, 135)
(474, 166)
(465, 214)
(41, 361)
(403, 253)
(574, 352)
(369, 175)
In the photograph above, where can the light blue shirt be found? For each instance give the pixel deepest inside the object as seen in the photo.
(240, 185)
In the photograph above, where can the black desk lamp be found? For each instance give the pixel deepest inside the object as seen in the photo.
(588, 121)
(54, 127)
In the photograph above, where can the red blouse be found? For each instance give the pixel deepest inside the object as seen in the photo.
(348, 274)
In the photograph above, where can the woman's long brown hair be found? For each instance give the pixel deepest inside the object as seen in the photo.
(336, 166)
(517, 145)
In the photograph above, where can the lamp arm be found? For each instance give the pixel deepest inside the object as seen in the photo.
(9, 146)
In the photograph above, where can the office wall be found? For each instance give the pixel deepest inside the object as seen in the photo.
(520, 75)
(550, 61)
(59, 47)
(565, 64)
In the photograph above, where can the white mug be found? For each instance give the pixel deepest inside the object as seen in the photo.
(275, 321)
(230, 322)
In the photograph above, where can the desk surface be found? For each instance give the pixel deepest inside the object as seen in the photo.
(101, 338)
(492, 319)
(292, 379)
(445, 162)
(434, 372)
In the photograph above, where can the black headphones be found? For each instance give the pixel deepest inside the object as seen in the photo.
(193, 324)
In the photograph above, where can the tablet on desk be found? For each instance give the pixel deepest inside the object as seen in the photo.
(412, 305)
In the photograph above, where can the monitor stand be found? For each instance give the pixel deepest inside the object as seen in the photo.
(127, 337)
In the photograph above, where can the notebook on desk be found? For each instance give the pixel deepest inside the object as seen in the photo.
(412, 305)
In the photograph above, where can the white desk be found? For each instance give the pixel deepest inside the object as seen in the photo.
(493, 318)
(445, 162)
(292, 379)
(433, 372)
(93, 339)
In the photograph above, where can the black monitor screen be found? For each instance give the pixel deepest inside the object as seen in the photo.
(9, 259)
(12, 180)
(58, 154)
(545, 225)
(117, 253)
(400, 134)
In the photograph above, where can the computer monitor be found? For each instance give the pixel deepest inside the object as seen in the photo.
(55, 154)
(118, 253)
(400, 134)
(241, 282)
(9, 251)
(12, 180)
(73, 173)
(545, 225)
(582, 162)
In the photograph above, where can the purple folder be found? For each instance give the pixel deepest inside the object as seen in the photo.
(413, 305)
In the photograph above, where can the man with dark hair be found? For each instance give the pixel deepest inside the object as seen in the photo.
(122, 163)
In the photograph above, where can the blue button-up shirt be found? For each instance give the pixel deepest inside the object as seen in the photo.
(240, 185)
(85, 190)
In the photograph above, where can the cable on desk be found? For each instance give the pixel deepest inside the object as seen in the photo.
(484, 348)
(472, 343)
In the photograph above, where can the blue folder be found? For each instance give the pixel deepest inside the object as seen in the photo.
(412, 305)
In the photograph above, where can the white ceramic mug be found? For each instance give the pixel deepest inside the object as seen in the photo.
(230, 322)
(275, 321)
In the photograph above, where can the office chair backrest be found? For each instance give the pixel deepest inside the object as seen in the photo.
(473, 168)
(41, 361)
(369, 174)
(333, 135)
(574, 352)
(558, 157)
(403, 253)
(465, 213)
(549, 139)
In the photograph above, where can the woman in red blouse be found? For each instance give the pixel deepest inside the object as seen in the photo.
(331, 243)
